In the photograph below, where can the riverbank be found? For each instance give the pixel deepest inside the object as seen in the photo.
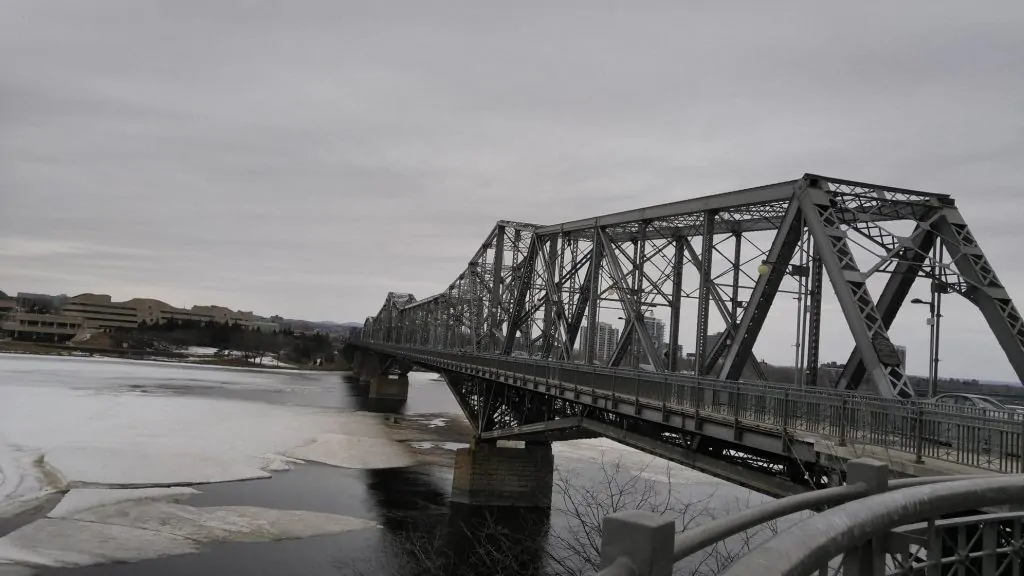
(170, 357)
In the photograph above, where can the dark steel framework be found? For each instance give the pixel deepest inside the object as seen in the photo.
(532, 289)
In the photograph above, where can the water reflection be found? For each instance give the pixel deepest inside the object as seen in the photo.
(432, 536)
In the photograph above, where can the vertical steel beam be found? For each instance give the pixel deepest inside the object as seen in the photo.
(639, 258)
(814, 320)
(719, 347)
(737, 257)
(678, 261)
(987, 292)
(706, 287)
(880, 359)
(475, 307)
(894, 294)
(495, 307)
(763, 295)
(596, 262)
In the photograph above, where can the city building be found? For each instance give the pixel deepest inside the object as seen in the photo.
(656, 328)
(34, 326)
(153, 311)
(264, 326)
(607, 337)
(7, 306)
(39, 303)
(222, 314)
(101, 313)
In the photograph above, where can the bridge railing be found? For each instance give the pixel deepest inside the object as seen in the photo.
(873, 527)
(988, 439)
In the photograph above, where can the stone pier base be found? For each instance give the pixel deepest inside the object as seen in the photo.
(388, 387)
(492, 475)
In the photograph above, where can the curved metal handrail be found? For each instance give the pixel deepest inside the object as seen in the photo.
(694, 540)
(812, 543)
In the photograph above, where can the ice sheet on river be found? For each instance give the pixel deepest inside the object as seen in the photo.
(83, 499)
(109, 466)
(102, 526)
(15, 570)
(58, 543)
(56, 436)
(354, 452)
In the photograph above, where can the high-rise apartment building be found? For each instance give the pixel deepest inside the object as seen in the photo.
(607, 337)
(656, 328)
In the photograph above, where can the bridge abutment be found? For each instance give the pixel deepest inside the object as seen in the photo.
(492, 475)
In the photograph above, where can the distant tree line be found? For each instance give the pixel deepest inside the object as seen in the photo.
(291, 346)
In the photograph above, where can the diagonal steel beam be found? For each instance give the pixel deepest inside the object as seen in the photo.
(721, 345)
(629, 307)
(582, 303)
(523, 284)
(881, 361)
(986, 291)
(897, 288)
(559, 332)
(763, 294)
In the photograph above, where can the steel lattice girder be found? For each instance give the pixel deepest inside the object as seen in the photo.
(533, 288)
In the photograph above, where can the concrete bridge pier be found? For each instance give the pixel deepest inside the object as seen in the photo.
(504, 475)
(388, 377)
(389, 387)
(356, 359)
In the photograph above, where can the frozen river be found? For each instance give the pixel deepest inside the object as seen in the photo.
(107, 461)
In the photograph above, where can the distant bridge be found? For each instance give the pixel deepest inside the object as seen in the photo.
(509, 336)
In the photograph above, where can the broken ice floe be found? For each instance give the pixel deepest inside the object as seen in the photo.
(93, 526)
(82, 499)
(354, 452)
(58, 543)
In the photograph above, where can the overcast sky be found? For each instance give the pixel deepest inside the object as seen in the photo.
(304, 158)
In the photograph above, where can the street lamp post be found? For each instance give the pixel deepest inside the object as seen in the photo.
(934, 318)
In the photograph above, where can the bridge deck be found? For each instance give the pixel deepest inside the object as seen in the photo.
(819, 426)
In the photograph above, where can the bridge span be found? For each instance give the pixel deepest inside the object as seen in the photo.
(519, 339)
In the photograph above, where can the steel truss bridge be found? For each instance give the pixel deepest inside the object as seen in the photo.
(519, 338)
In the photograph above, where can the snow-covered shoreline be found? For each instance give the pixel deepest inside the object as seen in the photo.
(197, 361)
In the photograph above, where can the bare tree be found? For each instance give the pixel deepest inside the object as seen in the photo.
(571, 544)
(576, 547)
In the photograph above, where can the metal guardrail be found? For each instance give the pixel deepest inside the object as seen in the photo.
(986, 439)
(865, 535)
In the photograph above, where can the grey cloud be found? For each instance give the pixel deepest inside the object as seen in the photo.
(303, 158)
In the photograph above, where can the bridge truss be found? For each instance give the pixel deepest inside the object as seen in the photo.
(538, 290)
